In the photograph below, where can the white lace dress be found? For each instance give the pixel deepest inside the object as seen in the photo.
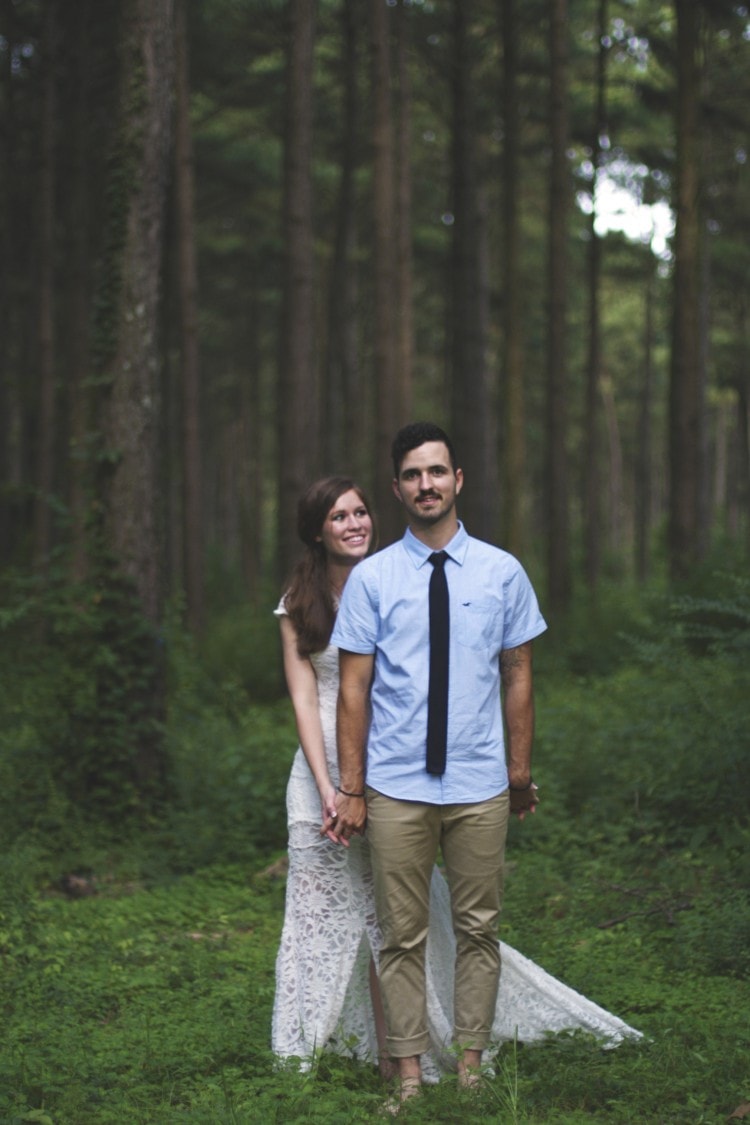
(330, 933)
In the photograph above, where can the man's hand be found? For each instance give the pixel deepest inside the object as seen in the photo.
(524, 800)
(349, 819)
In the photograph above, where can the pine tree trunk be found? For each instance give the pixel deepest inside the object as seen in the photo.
(131, 420)
(470, 405)
(592, 499)
(513, 417)
(46, 431)
(384, 250)
(8, 258)
(298, 408)
(189, 353)
(342, 434)
(558, 534)
(643, 453)
(404, 265)
(81, 197)
(686, 396)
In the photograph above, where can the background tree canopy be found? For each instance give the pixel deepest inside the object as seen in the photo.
(243, 242)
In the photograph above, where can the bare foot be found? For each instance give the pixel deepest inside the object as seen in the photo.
(469, 1070)
(469, 1078)
(407, 1088)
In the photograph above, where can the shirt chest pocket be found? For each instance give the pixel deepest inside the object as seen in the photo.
(476, 624)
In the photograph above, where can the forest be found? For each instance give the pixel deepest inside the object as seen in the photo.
(241, 243)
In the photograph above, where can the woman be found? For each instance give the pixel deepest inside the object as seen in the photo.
(326, 985)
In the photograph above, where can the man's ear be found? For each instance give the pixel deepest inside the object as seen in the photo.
(459, 480)
(396, 490)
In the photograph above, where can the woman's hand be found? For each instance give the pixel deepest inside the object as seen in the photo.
(349, 819)
(329, 813)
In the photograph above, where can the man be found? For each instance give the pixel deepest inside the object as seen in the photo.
(458, 796)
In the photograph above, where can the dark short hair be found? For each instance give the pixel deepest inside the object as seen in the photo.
(416, 434)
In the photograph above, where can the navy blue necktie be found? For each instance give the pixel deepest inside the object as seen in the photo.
(437, 699)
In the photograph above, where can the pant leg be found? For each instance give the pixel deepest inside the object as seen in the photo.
(403, 837)
(473, 845)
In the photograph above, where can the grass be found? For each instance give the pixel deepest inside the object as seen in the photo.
(147, 1000)
(151, 1004)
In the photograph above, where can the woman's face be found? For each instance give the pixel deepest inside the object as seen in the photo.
(347, 529)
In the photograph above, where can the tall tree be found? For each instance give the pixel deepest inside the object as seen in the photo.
(343, 390)
(192, 461)
(644, 451)
(46, 428)
(686, 393)
(471, 416)
(131, 488)
(9, 242)
(558, 533)
(404, 255)
(592, 500)
(84, 178)
(298, 409)
(384, 254)
(513, 415)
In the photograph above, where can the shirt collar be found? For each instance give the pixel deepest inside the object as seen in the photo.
(419, 552)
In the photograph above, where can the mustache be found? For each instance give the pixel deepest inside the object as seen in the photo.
(429, 495)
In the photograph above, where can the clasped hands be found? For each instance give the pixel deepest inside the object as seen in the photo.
(347, 818)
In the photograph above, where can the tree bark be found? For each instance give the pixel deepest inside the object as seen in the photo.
(342, 436)
(82, 195)
(558, 534)
(513, 417)
(592, 499)
(298, 408)
(470, 400)
(686, 393)
(46, 430)
(192, 471)
(643, 453)
(132, 490)
(404, 265)
(384, 251)
(10, 421)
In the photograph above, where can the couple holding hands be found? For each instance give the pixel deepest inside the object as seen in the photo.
(410, 674)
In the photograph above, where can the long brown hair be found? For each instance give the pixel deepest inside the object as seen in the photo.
(308, 599)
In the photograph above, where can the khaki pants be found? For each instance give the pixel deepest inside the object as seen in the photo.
(404, 837)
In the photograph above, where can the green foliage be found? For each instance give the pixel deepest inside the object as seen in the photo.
(660, 746)
(80, 702)
(241, 648)
(229, 757)
(152, 1004)
(148, 999)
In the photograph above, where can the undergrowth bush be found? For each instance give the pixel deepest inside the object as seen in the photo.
(662, 745)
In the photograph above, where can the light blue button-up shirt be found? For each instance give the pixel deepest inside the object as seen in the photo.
(384, 611)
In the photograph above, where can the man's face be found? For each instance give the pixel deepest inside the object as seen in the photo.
(426, 485)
